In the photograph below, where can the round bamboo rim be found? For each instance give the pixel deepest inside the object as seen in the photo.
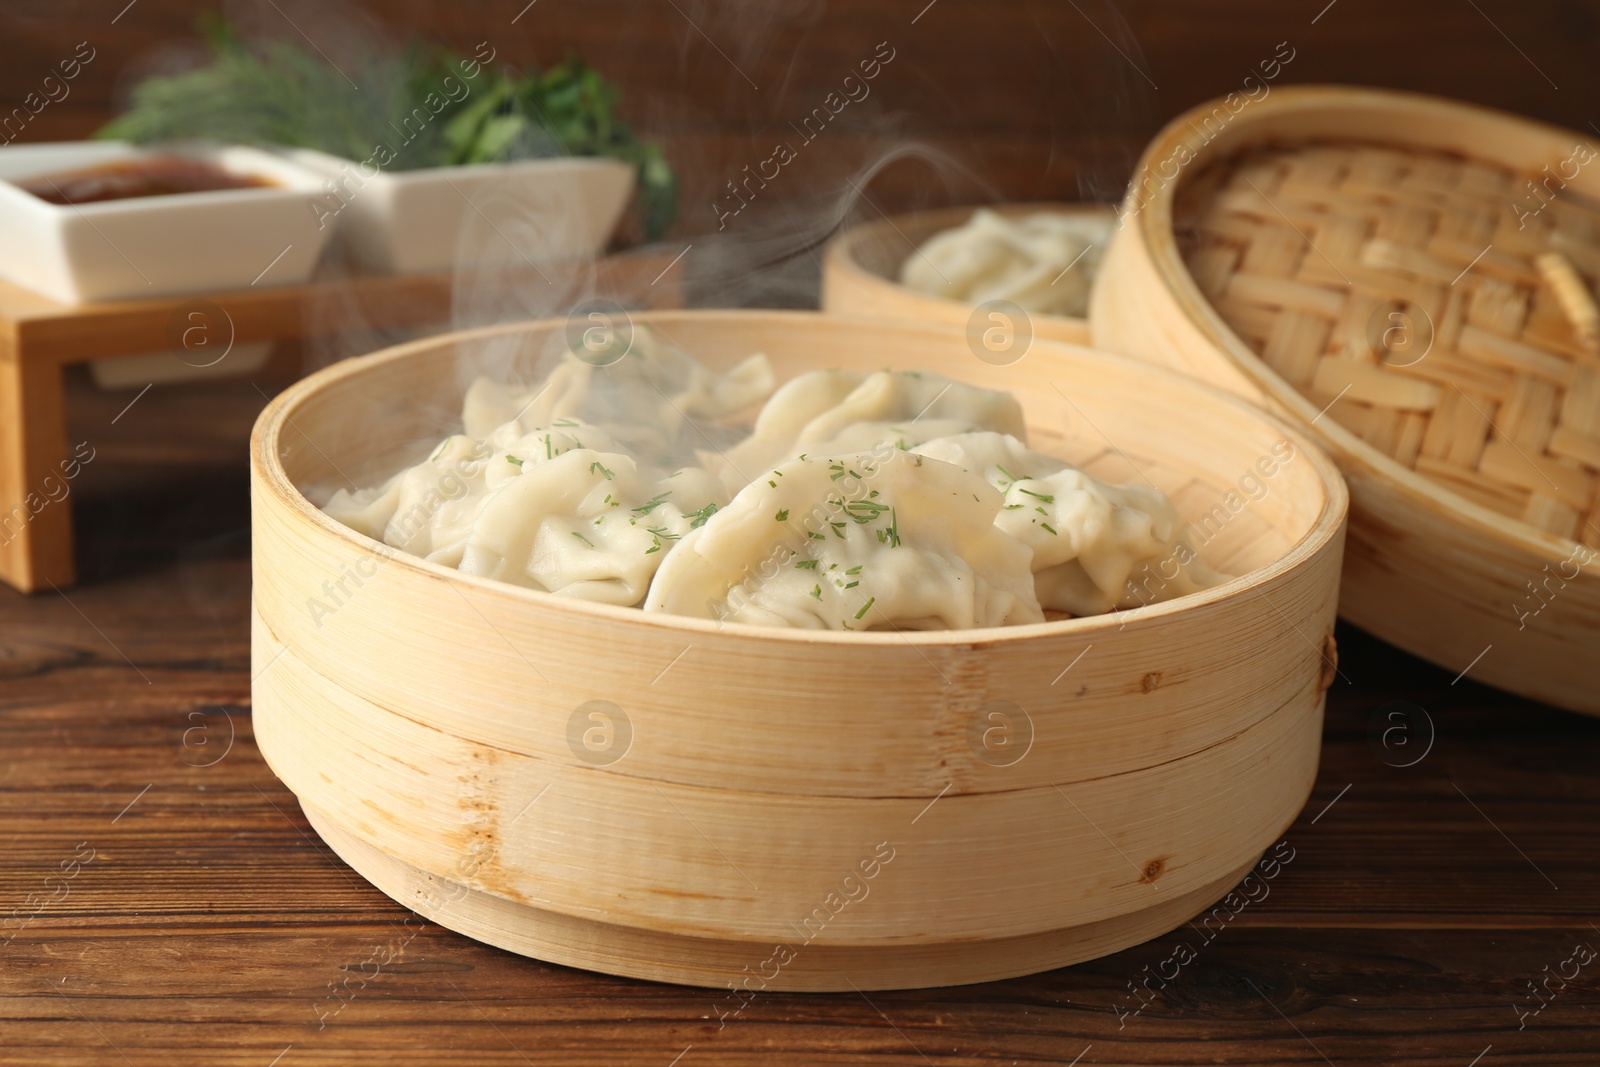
(1428, 568)
(428, 717)
(806, 967)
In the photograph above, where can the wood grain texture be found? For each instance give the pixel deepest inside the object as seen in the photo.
(209, 924)
(1053, 101)
(35, 521)
(1402, 932)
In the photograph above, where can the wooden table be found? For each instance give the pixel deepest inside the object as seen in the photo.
(39, 338)
(210, 924)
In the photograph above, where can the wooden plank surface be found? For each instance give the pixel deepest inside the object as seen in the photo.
(210, 923)
(1030, 100)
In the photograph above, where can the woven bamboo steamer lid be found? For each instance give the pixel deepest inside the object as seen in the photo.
(1403, 277)
(427, 722)
(861, 270)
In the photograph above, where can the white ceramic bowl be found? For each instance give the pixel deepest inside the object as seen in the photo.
(157, 245)
(416, 221)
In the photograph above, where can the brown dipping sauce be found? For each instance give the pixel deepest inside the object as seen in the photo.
(125, 179)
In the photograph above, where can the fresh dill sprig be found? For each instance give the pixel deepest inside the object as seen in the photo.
(283, 94)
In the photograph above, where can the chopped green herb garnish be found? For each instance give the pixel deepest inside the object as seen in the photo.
(837, 527)
(854, 570)
(564, 424)
(864, 511)
(439, 450)
(807, 564)
(772, 483)
(1046, 497)
(662, 531)
(783, 515)
(513, 459)
(852, 585)
(1042, 511)
(871, 600)
(698, 519)
(548, 454)
(1008, 474)
(891, 535)
(601, 467)
(582, 538)
(816, 591)
(1047, 526)
(653, 503)
(1011, 507)
(816, 536)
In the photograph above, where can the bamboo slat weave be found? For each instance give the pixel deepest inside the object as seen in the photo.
(1440, 323)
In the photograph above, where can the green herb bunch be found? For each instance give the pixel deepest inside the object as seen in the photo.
(567, 110)
(283, 94)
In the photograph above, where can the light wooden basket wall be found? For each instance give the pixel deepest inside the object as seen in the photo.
(861, 269)
(1270, 251)
(424, 724)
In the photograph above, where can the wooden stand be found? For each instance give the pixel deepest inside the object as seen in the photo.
(39, 337)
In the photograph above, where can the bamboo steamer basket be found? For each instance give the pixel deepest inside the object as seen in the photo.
(850, 796)
(861, 269)
(1371, 265)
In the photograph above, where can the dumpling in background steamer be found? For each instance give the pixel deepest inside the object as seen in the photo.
(1091, 542)
(884, 540)
(1024, 259)
(851, 411)
(647, 399)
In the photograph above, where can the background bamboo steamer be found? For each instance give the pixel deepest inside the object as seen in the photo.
(1138, 766)
(1269, 251)
(861, 270)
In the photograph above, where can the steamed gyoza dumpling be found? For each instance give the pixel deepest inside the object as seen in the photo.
(653, 399)
(853, 542)
(850, 411)
(1096, 547)
(429, 509)
(586, 524)
(425, 509)
(1024, 259)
